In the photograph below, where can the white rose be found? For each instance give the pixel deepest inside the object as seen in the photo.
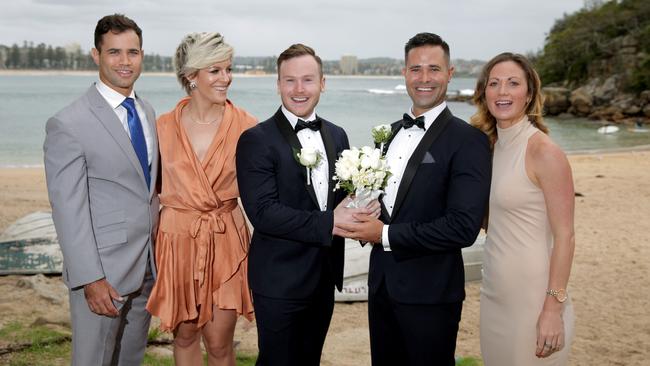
(343, 171)
(308, 156)
(351, 156)
(371, 158)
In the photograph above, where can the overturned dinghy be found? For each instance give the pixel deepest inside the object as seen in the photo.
(29, 246)
(355, 273)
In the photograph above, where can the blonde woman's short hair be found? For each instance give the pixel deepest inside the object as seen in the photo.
(198, 51)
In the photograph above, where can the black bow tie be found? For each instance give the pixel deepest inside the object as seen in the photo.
(312, 125)
(408, 121)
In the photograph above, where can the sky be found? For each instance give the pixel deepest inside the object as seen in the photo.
(474, 29)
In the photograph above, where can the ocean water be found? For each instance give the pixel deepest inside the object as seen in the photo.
(357, 104)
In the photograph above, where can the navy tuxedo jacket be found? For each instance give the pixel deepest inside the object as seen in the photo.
(292, 246)
(440, 204)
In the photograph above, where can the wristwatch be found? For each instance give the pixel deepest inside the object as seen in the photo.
(559, 295)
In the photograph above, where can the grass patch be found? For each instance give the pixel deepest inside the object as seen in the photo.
(468, 361)
(15, 332)
(47, 347)
(154, 334)
(246, 360)
(152, 360)
(51, 348)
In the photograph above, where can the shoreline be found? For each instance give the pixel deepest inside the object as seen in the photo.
(572, 153)
(35, 72)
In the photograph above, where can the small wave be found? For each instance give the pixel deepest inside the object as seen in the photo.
(383, 91)
(22, 166)
(399, 89)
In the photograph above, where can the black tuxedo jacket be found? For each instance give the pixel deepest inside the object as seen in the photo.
(438, 210)
(292, 245)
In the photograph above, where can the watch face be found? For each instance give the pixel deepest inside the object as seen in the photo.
(561, 295)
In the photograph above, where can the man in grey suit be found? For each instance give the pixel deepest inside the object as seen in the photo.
(101, 164)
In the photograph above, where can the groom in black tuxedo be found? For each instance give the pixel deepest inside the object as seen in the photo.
(295, 261)
(433, 206)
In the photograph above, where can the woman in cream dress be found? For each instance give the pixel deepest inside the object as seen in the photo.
(526, 314)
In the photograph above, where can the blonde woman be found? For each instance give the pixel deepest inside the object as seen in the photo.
(202, 243)
(526, 314)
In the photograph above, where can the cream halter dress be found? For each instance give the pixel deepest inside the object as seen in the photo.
(516, 259)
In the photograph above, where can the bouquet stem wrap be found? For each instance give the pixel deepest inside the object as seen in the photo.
(363, 196)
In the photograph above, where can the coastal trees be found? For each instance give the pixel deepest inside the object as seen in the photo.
(591, 41)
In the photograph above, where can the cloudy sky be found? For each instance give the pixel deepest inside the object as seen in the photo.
(475, 29)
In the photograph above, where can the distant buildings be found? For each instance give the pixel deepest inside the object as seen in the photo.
(72, 57)
(349, 65)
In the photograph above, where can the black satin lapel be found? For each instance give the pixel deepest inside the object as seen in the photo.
(385, 216)
(395, 127)
(414, 162)
(330, 151)
(285, 129)
(290, 136)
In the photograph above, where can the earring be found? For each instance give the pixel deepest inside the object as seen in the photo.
(192, 84)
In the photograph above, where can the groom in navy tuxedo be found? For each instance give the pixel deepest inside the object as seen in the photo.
(295, 261)
(433, 206)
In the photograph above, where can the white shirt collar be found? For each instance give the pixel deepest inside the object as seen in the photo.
(293, 119)
(113, 98)
(430, 115)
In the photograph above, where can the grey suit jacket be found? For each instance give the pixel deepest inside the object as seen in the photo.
(104, 214)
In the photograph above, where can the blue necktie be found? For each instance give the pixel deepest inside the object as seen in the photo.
(137, 137)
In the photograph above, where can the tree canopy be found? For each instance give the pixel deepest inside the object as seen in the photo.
(577, 40)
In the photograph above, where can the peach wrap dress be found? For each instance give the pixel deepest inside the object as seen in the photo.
(202, 243)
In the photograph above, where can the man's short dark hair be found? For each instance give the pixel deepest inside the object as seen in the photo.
(116, 23)
(297, 50)
(426, 39)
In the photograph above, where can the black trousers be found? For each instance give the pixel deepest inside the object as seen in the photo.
(292, 331)
(411, 334)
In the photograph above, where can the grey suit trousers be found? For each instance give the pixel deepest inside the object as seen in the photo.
(103, 340)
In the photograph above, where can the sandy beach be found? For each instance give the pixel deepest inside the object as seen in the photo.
(609, 283)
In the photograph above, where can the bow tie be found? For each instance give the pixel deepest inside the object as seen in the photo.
(312, 125)
(408, 121)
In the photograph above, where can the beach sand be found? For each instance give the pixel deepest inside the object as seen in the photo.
(609, 283)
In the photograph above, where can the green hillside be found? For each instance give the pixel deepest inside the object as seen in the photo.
(580, 45)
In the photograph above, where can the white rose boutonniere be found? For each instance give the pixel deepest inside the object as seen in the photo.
(362, 173)
(310, 158)
(381, 135)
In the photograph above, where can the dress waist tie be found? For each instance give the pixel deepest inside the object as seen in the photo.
(207, 224)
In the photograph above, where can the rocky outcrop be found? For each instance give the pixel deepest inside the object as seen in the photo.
(556, 100)
(603, 96)
(581, 101)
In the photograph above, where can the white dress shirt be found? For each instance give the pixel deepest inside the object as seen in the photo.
(313, 139)
(115, 100)
(398, 154)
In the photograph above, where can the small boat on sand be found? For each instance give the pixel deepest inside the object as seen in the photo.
(29, 246)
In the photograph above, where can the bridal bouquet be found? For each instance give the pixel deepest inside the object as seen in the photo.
(362, 173)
